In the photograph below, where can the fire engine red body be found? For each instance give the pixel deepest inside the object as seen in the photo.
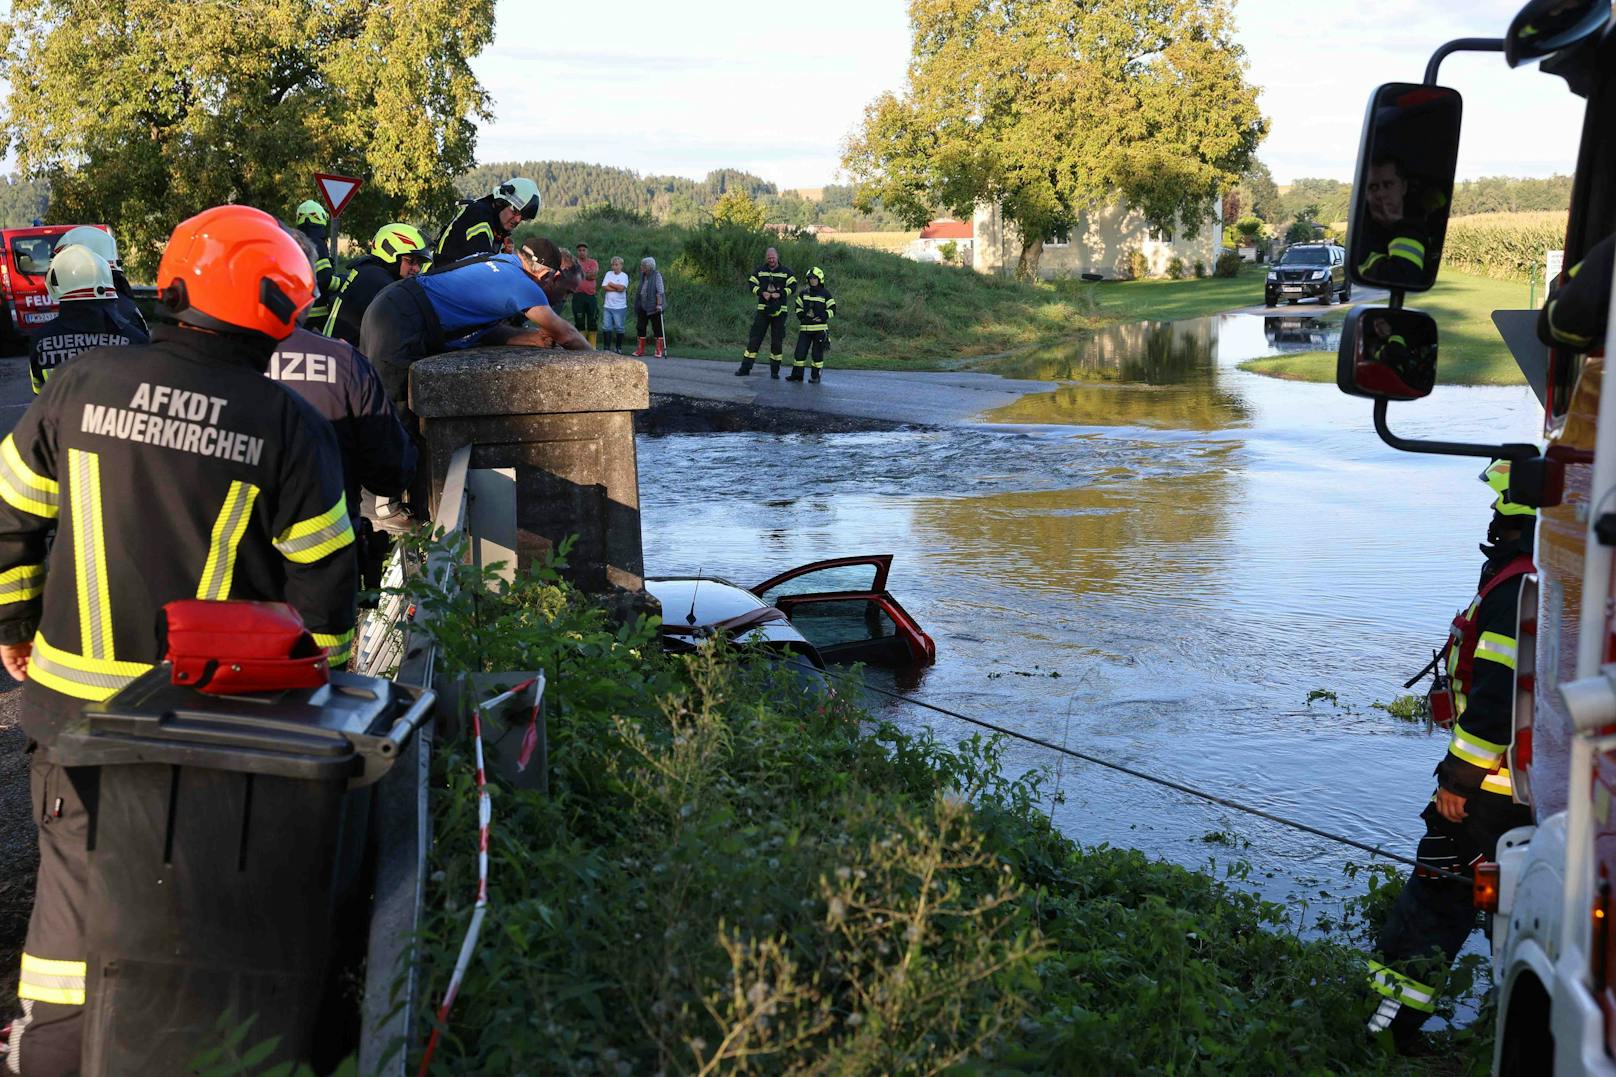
(24, 258)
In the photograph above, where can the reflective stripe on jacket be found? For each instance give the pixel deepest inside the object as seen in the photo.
(1480, 661)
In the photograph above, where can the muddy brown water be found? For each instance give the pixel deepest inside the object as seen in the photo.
(1193, 549)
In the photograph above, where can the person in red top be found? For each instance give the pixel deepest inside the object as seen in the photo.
(585, 314)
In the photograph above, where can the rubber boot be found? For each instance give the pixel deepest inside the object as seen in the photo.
(593, 342)
(795, 375)
(814, 377)
(660, 348)
(774, 369)
(746, 368)
(640, 351)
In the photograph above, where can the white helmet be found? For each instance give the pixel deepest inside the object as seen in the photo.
(98, 240)
(77, 272)
(521, 194)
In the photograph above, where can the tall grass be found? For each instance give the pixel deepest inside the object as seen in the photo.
(1504, 246)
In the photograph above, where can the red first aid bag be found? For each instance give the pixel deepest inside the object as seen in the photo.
(229, 647)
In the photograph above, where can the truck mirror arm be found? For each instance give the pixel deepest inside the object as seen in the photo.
(1448, 448)
(1459, 44)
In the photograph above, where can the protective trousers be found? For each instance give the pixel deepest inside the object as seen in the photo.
(1434, 915)
(45, 1039)
(815, 344)
(774, 324)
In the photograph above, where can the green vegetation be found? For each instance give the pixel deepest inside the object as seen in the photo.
(1469, 352)
(1136, 101)
(733, 874)
(1504, 246)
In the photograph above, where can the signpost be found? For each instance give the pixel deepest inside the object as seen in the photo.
(336, 192)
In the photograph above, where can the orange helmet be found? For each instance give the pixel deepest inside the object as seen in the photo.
(232, 269)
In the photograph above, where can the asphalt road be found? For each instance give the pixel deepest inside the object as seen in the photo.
(1360, 295)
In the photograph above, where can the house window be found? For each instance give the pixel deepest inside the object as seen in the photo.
(1059, 238)
(1161, 235)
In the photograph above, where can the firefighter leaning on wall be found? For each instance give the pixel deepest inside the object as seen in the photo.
(169, 471)
(398, 252)
(1473, 804)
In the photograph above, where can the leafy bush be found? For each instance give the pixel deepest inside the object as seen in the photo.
(1135, 265)
(1200, 269)
(1175, 268)
(1248, 229)
(948, 250)
(1228, 265)
(733, 874)
(722, 254)
(1505, 246)
(606, 213)
(738, 208)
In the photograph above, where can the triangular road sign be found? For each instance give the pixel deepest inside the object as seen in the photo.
(336, 191)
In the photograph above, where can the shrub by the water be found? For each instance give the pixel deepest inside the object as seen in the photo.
(1228, 264)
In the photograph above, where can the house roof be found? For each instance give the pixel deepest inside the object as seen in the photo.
(947, 229)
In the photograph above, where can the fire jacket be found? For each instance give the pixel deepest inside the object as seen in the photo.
(474, 230)
(1398, 253)
(353, 292)
(128, 309)
(1575, 315)
(322, 271)
(815, 308)
(779, 279)
(173, 470)
(1481, 670)
(342, 385)
(81, 325)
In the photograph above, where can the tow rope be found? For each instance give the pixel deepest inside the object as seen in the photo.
(1169, 783)
(485, 813)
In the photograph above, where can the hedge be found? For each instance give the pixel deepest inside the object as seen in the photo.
(1504, 246)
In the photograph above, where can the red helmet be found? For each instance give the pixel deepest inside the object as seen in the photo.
(232, 268)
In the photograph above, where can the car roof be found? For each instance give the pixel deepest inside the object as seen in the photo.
(711, 600)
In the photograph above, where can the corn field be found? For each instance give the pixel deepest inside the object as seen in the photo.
(1504, 246)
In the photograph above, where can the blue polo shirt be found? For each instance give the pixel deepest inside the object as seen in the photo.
(473, 299)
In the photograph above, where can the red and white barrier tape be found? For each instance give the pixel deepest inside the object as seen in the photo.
(485, 814)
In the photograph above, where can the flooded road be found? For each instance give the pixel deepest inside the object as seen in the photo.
(1191, 548)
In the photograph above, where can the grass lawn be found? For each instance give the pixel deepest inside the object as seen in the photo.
(1170, 300)
(1469, 351)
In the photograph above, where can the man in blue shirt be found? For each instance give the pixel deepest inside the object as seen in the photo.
(472, 302)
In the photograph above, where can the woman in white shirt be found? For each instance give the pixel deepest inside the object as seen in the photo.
(615, 306)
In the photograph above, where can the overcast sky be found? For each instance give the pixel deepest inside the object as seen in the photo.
(688, 86)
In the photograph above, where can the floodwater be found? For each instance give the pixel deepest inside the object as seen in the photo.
(1190, 547)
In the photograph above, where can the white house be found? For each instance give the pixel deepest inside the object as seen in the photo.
(1102, 242)
(926, 248)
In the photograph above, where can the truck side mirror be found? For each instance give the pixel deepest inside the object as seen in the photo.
(1403, 190)
(1544, 27)
(1387, 354)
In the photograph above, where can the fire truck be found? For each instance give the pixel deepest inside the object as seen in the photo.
(25, 255)
(1550, 892)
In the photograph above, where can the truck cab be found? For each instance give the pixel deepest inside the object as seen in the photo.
(25, 304)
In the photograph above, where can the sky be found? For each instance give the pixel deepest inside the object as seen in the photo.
(688, 86)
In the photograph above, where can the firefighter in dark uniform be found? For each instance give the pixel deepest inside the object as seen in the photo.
(313, 221)
(398, 252)
(772, 284)
(1397, 243)
(484, 225)
(1474, 804)
(815, 308)
(169, 471)
(105, 244)
(80, 281)
(1574, 316)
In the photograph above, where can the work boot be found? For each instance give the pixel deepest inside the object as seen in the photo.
(746, 368)
(774, 369)
(640, 351)
(661, 348)
(814, 377)
(795, 375)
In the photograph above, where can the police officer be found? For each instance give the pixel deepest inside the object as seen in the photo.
(105, 244)
(378, 454)
(314, 223)
(397, 252)
(484, 225)
(168, 471)
(772, 284)
(815, 308)
(1474, 804)
(80, 281)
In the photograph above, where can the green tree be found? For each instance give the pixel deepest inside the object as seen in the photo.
(738, 208)
(1330, 200)
(143, 112)
(1306, 226)
(1048, 109)
(1259, 196)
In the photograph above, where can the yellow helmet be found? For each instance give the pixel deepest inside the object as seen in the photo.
(311, 212)
(394, 240)
(1496, 476)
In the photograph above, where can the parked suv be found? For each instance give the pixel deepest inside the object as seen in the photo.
(1308, 271)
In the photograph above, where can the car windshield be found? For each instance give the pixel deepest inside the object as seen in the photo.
(1306, 256)
(32, 254)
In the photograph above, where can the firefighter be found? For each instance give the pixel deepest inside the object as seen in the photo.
(81, 282)
(1574, 317)
(378, 454)
(815, 308)
(772, 284)
(168, 471)
(484, 225)
(105, 244)
(1398, 244)
(1473, 805)
(313, 222)
(398, 252)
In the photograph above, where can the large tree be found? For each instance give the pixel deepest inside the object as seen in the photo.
(1048, 108)
(143, 112)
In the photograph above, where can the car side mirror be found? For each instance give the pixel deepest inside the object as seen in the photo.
(1403, 190)
(1544, 27)
(1387, 354)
